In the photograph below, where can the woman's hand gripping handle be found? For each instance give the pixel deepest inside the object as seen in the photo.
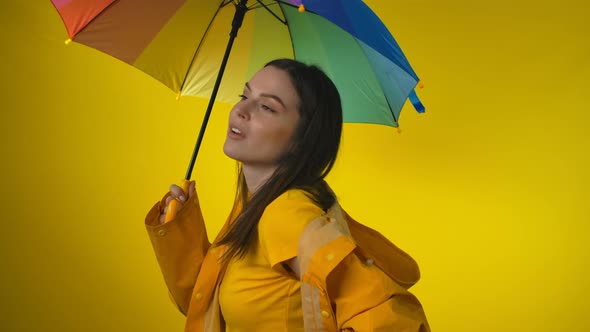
(176, 199)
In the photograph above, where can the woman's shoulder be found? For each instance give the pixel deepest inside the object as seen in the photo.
(294, 205)
(293, 199)
(283, 222)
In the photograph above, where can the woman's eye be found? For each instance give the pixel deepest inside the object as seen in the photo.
(242, 97)
(266, 108)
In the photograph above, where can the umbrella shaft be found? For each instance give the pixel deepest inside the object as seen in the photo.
(236, 24)
(238, 17)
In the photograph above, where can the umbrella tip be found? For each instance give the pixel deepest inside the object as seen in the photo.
(68, 41)
(178, 95)
(420, 85)
(301, 8)
(399, 130)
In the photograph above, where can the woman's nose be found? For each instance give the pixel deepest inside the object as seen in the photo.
(241, 110)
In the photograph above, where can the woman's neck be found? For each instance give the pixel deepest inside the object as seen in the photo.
(257, 175)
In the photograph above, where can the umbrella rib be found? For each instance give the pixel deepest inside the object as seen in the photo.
(256, 6)
(272, 13)
(279, 2)
(223, 4)
(380, 84)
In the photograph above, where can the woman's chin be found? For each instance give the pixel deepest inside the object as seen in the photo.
(230, 153)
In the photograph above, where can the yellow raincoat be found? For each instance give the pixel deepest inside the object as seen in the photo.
(368, 287)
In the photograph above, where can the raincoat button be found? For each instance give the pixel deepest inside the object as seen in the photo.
(198, 296)
(329, 257)
(369, 261)
(325, 314)
(162, 232)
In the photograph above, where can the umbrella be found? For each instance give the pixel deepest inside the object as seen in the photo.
(182, 43)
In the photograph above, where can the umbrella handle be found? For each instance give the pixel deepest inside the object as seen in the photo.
(171, 213)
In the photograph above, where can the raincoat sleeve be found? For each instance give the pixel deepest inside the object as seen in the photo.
(282, 223)
(180, 246)
(377, 305)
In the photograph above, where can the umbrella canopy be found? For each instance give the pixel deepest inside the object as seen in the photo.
(181, 43)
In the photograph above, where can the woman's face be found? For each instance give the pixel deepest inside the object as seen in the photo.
(262, 124)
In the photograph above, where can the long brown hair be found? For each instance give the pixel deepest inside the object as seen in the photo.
(308, 159)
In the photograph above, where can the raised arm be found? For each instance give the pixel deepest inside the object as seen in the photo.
(180, 245)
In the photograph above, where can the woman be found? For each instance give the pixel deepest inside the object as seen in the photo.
(288, 258)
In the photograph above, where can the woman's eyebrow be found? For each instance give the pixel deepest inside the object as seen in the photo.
(268, 95)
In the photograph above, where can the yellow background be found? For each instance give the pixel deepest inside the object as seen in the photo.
(488, 190)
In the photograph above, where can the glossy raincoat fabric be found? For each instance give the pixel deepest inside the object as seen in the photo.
(367, 289)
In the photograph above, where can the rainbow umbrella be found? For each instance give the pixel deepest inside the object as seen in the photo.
(183, 44)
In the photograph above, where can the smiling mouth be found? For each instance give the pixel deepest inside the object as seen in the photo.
(236, 131)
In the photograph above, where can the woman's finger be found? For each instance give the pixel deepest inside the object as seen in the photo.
(177, 192)
(169, 199)
(191, 189)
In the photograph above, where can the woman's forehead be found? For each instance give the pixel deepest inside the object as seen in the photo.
(274, 81)
(271, 78)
